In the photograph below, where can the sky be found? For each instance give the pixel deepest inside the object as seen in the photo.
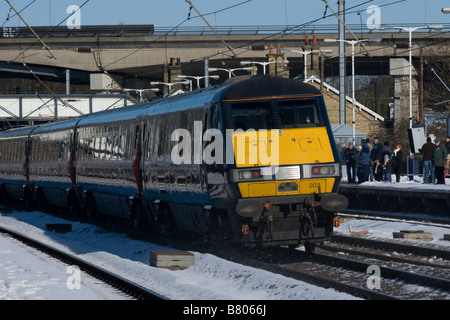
(170, 13)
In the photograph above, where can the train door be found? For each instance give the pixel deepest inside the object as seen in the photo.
(72, 155)
(137, 154)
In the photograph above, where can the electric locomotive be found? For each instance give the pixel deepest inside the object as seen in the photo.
(252, 159)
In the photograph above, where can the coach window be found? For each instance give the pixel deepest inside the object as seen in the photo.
(103, 147)
(162, 137)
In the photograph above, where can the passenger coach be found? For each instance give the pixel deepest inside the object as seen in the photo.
(253, 159)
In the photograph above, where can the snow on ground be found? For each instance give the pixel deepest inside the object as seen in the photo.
(405, 183)
(23, 275)
(378, 229)
(383, 229)
(26, 276)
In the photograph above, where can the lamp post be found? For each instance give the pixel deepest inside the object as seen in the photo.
(141, 91)
(169, 84)
(230, 71)
(264, 64)
(410, 31)
(182, 76)
(305, 53)
(353, 42)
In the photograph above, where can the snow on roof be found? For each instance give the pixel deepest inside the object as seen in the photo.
(342, 130)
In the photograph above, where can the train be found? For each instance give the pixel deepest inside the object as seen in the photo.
(252, 160)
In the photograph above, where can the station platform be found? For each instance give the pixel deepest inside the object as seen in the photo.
(411, 196)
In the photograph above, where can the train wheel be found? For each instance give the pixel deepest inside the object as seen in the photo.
(90, 210)
(73, 204)
(3, 194)
(138, 218)
(220, 227)
(164, 222)
(28, 199)
(40, 200)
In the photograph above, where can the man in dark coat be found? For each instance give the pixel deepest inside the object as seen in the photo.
(440, 156)
(447, 145)
(364, 157)
(397, 158)
(350, 161)
(375, 156)
(427, 152)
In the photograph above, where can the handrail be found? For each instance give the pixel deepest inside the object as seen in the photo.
(151, 30)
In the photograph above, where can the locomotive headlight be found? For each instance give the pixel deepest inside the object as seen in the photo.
(241, 175)
(247, 174)
(327, 170)
(311, 171)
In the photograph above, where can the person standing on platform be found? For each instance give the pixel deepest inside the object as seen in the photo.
(375, 156)
(427, 152)
(364, 157)
(397, 158)
(440, 156)
(387, 168)
(447, 145)
(358, 165)
(386, 165)
(350, 161)
(447, 164)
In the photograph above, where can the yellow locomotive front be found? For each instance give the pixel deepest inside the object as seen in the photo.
(286, 171)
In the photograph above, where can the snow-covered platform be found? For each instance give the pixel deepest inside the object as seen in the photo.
(405, 196)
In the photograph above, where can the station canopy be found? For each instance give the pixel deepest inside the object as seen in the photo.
(343, 134)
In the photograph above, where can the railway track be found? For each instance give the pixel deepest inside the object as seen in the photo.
(350, 274)
(395, 272)
(391, 246)
(330, 270)
(116, 281)
(424, 218)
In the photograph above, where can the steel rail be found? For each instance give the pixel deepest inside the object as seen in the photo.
(116, 281)
(386, 272)
(391, 246)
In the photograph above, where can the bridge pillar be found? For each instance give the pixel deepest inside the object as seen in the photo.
(399, 68)
(171, 70)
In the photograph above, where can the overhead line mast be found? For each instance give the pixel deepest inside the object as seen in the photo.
(217, 34)
(34, 33)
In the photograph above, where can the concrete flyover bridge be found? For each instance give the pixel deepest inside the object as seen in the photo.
(143, 50)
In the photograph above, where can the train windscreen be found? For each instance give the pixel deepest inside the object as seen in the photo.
(252, 115)
(298, 113)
